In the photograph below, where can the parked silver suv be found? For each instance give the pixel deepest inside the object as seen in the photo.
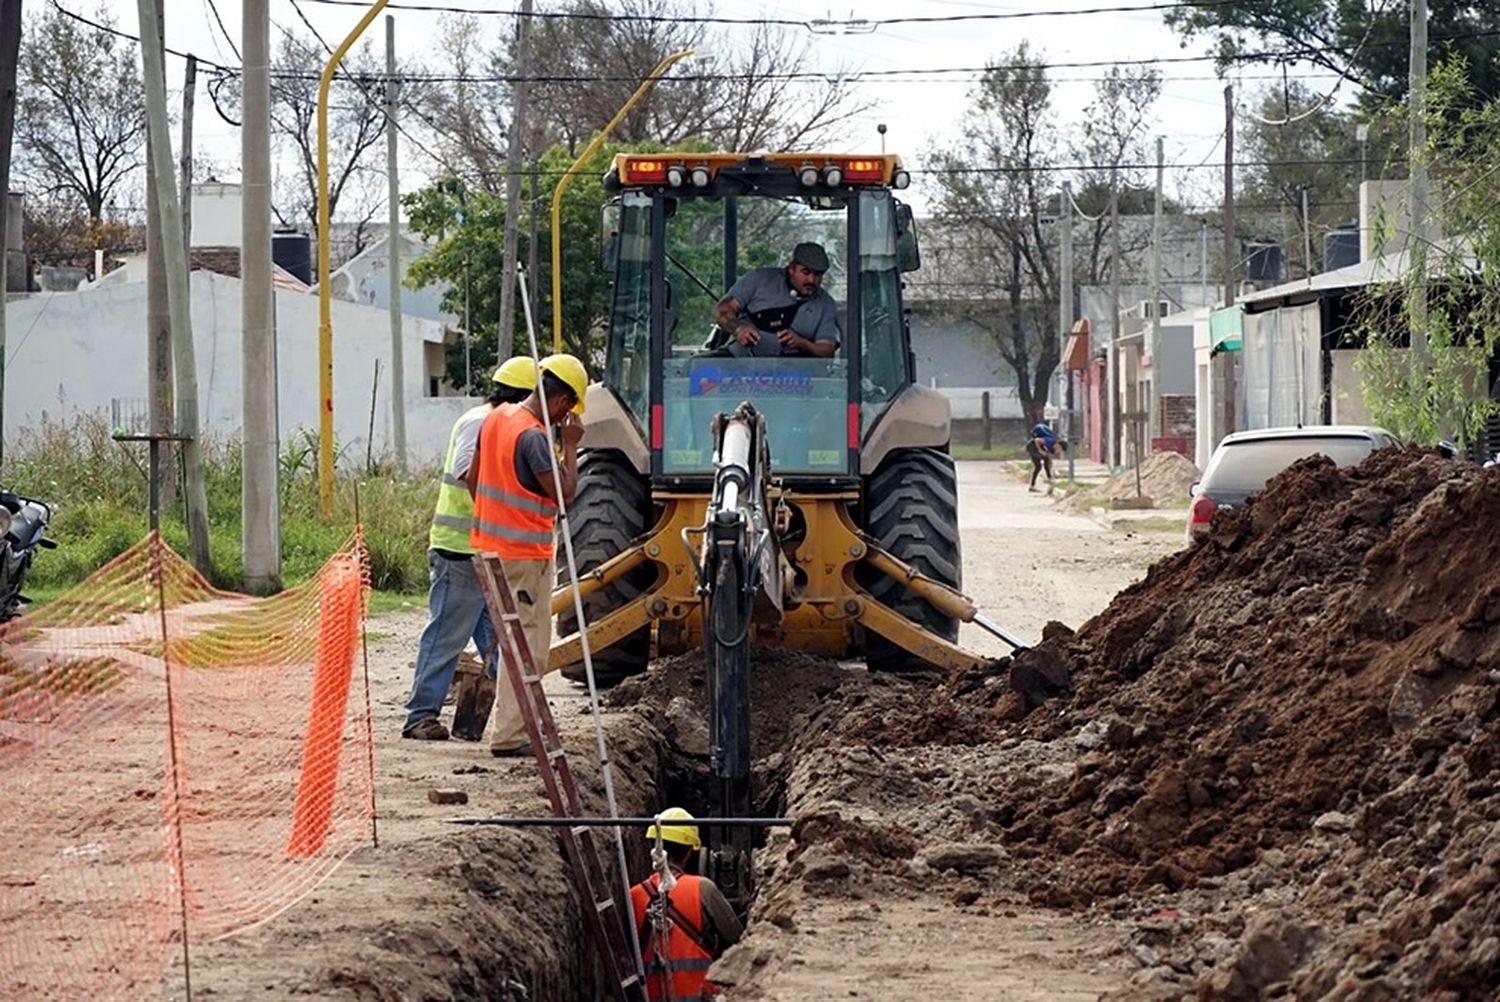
(1246, 460)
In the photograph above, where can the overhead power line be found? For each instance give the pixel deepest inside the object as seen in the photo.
(821, 25)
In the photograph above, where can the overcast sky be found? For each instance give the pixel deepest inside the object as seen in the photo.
(918, 114)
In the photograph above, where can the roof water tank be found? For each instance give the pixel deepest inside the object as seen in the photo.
(1340, 248)
(1264, 263)
(293, 251)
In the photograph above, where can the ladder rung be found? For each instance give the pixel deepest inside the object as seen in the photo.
(630, 980)
(604, 905)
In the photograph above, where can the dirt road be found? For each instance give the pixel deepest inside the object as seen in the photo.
(440, 912)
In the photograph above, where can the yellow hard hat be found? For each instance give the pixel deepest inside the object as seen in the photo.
(681, 834)
(518, 372)
(571, 371)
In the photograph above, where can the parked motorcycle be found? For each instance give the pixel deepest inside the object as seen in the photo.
(23, 522)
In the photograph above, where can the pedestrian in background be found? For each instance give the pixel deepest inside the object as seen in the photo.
(1041, 447)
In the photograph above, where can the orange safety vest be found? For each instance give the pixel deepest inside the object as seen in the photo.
(684, 947)
(509, 519)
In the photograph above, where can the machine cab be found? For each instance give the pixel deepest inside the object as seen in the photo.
(688, 227)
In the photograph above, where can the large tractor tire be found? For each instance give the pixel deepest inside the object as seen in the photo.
(911, 511)
(610, 510)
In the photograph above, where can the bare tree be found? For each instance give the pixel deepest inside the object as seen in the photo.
(356, 128)
(747, 96)
(1114, 146)
(994, 188)
(81, 116)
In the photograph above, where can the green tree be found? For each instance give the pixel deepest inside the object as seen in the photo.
(1450, 291)
(81, 113)
(1368, 47)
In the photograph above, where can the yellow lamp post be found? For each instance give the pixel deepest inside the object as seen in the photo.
(325, 298)
(567, 179)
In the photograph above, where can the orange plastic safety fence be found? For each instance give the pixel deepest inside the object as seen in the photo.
(173, 756)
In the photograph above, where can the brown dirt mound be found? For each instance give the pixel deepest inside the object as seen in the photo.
(1165, 476)
(1316, 685)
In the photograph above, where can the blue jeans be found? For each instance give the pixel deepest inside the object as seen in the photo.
(456, 612)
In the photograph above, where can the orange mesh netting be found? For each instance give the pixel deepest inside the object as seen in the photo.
(131, 814)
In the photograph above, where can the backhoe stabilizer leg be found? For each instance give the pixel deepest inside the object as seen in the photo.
(599, 578)
(902, 632)
(948, 601)
(602, 633)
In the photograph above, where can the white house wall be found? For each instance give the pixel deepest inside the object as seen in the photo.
(72, 353)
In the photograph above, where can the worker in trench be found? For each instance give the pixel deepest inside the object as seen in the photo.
(683, 921)
(515, 482)
(455, 605)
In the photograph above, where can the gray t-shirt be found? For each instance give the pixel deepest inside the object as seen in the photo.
(766, 300)
(533, 456)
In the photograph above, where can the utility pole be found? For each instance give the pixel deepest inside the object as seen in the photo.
(513, 155)
(1417, 205)
(10, 52)
(1154, 422)
(1307, 259)
(189, 85)
(1065, 306)
(1112, 411)
(178, 305)
(1231, 253)
(394, 245)
(158, 326)
(260, 485)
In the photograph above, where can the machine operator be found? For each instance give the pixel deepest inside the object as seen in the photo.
(782, 311)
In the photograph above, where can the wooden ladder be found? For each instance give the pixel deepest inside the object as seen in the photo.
(608, 919)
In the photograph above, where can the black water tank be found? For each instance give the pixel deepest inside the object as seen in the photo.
(293, 251)
(1340, 248)
(1265, 262)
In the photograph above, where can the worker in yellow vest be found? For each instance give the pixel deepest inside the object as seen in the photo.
(455, 605)
(516, 481)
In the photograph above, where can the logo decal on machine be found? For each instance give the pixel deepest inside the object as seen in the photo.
(763, 382)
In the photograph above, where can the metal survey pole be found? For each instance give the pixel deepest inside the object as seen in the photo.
(510, 252)
(325, 294)
(394, 245)
(567, 179)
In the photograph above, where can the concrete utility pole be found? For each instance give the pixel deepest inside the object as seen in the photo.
(513, 155)
(1231, 253)
(393, 245)
(260, 487)
(178, 305)
(1112, 385)
(1154, 422)
(1065, 306)
(189, 85)
(10, 51)
(159, 328)
(1417, 205)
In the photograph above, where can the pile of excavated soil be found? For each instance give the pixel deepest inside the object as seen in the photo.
(1295, 726)
(1164, 477)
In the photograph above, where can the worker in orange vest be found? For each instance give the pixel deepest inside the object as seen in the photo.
(516, 481)
(683, 921)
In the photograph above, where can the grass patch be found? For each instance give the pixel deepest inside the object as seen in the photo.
(97, 489)
(383, 603)
(1004, 452)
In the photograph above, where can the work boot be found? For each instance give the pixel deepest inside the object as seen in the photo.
(519, 751)
(431, 729)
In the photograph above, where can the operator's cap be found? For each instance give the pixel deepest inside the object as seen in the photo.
(682, 834)
(811, 256)
(518, 372)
